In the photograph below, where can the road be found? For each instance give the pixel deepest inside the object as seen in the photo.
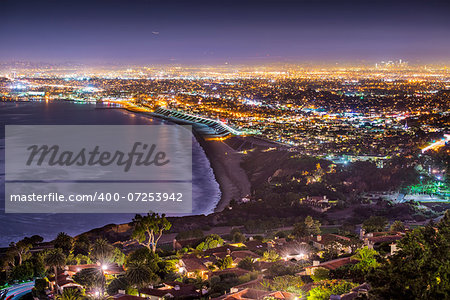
(19, 290)
(438, 144)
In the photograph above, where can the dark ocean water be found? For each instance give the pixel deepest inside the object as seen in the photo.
(13, 227)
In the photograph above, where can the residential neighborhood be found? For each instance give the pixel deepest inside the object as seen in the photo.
(293, 264)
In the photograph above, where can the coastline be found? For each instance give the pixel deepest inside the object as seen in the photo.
(224, 161)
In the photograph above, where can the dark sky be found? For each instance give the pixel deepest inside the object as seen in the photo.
(144, 31)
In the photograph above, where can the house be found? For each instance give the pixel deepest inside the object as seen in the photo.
(63, 281)
(42, 247)
(279, 241)
(255, 245)
(73, 269)
(326, 241)
(171, 290)
(316, 199)
(110, 269)
(179, 244)
(249, 293)
(236, 271)
(224, 248)
(373, 241)
(330, 265)
(241, 254)
(237, 255)
(293, 250)
(253, 284)
(264, 265)
(394, 248)
(317, 203)
(192, 267)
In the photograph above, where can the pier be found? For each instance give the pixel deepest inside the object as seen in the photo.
(204, 126)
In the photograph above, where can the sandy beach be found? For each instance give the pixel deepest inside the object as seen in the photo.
(225, 163)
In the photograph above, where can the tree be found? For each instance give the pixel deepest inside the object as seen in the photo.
(55, 259)
(287, 283)
(247, 264)
(332, 251)
(64, 242)
(225, 263)
(283, 268)
(271, 255)
(238, 237)
(300, 230)
(82, 245)
(20, 250)
(312, 226)
(38, 264)
(9, 259)
(145, 256)
(71, 294)
(366, 259)
(149, 229)
(99, 297)
(102, 251)
(222, 283)
(118, 257)
(139, 275)
(327, 288)
(397, 226)
(90, 278)
(374, 224)
(307, 227)
(189, 234)
(320, 274)
(22, 272)
(420, 269)
(40, 286)
(210, 242)
(34, 240)
(80, 259)
(119, 283)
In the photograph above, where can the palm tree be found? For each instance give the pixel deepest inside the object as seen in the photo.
(99, 297)
(55, 259)
(71, 294)
(102, 251)
(139, 275)
(64, 241)
(367, 259)
(90, 278)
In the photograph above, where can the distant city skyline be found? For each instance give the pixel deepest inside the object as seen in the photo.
(219, 32)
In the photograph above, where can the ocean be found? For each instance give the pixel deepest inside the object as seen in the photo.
(13, 227)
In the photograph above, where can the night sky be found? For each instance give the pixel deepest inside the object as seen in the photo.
(143, 31)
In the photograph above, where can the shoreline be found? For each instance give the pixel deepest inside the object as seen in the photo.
(224, 161)
(231, 177)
